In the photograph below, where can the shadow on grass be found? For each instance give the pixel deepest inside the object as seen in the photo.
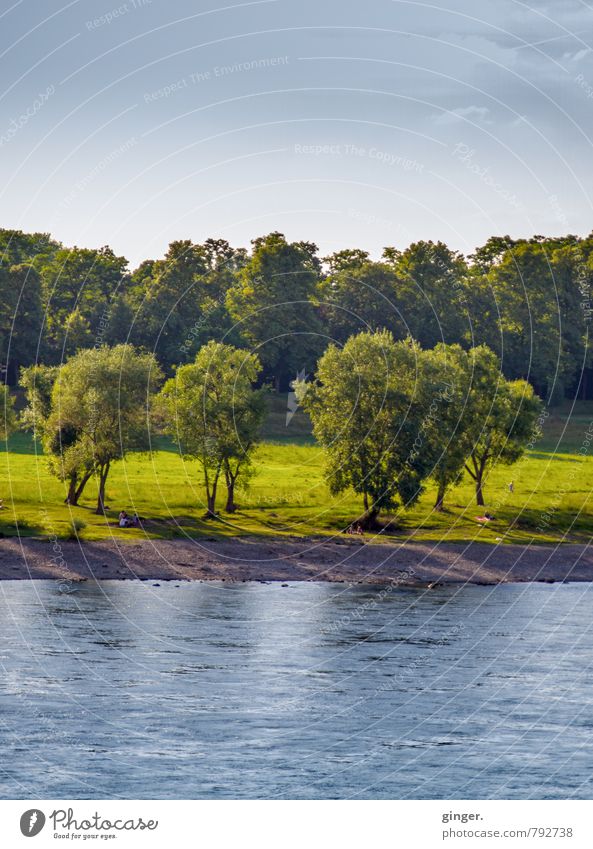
(21, 443)
(12, 528)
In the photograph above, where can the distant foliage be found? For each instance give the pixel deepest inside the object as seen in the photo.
(528, 300)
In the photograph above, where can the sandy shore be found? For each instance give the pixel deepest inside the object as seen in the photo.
(251, 559)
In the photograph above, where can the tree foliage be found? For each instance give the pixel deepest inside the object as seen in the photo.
(100, 409)
(529, 300)
(214, 414)
(272, 301)
(368, 408)
(8, 419)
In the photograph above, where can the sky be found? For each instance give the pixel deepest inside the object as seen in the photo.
(360, 124)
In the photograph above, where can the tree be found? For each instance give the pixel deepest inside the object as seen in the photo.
(368, 408)
(214, 414)
(17, 248)
(68, 458)
(533, 319)
(504, 417)
(451, 414)
(78, 333)
(347, 259)
(8, 419)
(431, 287)
(272, 300)
(100, 408)
(21, 317)
(359, 296)
(248, 415)
(85, 282)
(179, 302)
(166, 299)
(37, 382)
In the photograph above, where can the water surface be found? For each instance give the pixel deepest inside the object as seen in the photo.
(214, 690)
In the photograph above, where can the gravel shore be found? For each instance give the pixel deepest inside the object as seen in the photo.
(274, 559)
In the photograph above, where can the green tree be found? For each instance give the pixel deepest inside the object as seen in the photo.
(8, 420)
(504, 417)
(212, 411)
(431, 286)
(21, 317)
(272, 300)
(37, 382)
(359, 296)
(78, 333)
(451, 414)
(179, 302)
(368, 405)
(526, 307)
(68, 458)
(347, 259)
(82, 281)
(100, 408)
(18, 248)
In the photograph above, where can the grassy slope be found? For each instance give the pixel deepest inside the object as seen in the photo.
(289, 496)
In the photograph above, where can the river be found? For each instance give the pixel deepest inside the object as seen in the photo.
(313, 690)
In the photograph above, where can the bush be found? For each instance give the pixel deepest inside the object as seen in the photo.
(75, 527)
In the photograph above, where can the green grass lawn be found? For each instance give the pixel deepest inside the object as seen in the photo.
(288, 495)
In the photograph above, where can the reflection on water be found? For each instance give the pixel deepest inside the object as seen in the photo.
(308, 691)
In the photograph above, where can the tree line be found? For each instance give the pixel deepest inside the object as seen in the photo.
(526, 299)
(388, 414)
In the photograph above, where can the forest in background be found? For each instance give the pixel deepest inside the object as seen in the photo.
(527, 299)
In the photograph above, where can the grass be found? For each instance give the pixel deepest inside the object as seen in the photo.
(288, 496)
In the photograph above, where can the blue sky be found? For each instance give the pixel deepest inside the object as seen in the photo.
(366, 124)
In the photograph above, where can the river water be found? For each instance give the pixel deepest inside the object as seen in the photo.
(214, 690)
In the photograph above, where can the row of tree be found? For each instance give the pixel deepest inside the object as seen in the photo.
(528, 300)
(388, 414)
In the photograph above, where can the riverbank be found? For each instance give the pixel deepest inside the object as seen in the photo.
(256, 559)
(289, 497)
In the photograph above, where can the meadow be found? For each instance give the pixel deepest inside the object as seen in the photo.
(289, 497)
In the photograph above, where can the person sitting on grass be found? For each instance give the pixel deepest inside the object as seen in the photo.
(487, 517)
(124, 521)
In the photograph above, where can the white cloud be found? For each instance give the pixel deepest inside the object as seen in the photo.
(475, 114)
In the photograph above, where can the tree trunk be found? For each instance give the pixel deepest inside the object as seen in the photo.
(81, 486)
(71, 497)
(479, 492)
(76, 488)
(368, 521)
(211, 500)
(230, 496)
(439, 505)
(103, 472)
